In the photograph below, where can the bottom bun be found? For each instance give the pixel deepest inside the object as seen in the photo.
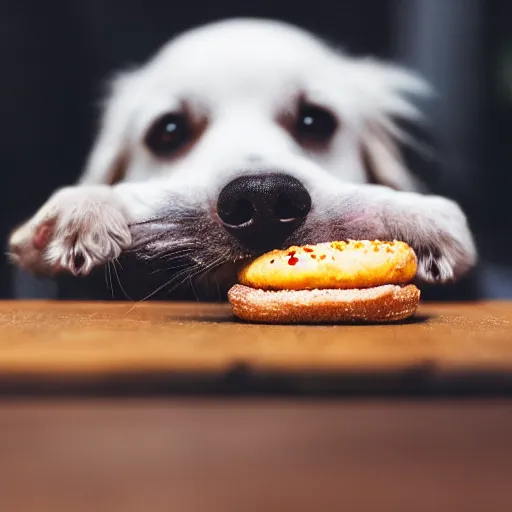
(387, 303)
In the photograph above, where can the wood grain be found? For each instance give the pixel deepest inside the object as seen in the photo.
(176, 344)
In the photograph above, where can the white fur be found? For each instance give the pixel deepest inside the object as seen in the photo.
(239, 76)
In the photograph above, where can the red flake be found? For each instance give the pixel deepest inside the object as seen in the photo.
(308, 249)
(313, 256)
(323, 257)
(292, 261)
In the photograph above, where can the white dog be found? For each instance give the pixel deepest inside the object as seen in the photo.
(239, 137)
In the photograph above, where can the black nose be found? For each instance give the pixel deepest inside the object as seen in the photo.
(263, 211)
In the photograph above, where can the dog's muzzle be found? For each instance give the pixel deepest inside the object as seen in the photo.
(262, 211)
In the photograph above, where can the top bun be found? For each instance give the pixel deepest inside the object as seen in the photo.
(335, 265)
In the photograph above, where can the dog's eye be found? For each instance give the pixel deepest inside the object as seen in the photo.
(168, 134)
(315, 125)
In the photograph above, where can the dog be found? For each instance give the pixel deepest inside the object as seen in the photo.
(239, 137)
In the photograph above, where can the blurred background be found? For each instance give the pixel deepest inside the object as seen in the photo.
(56, 56)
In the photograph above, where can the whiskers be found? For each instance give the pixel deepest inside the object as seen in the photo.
(182, 252)
(190, 271)
(111, 268)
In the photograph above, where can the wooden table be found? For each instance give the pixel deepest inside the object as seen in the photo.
(51, 347)
(76, 434)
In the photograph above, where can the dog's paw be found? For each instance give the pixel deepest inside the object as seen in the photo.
(443, 242)
(75, 231)
(444, 259)
(434, 266)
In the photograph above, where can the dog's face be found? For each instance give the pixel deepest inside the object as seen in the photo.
(247, 135)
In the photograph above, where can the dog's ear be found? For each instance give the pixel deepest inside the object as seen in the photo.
(386, 105)
(384, 162)
(109, 157)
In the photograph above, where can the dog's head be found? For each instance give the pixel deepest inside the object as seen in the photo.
(245, 129)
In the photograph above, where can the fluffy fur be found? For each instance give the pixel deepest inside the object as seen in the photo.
(238, 80)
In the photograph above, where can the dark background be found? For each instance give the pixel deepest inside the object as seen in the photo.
(56, 55)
